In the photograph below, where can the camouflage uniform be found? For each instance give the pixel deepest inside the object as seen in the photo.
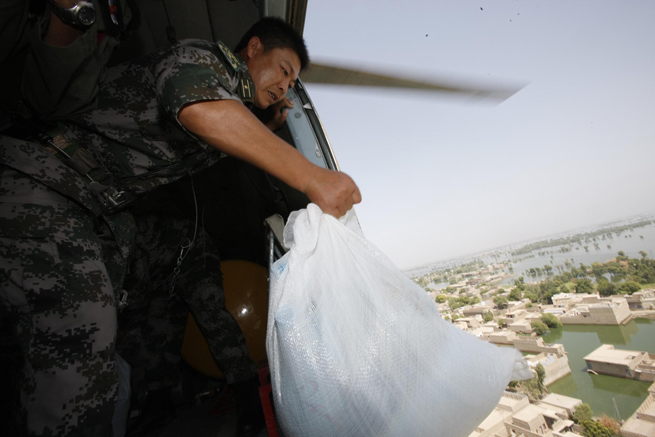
(60, 263)
(63, 258)
(136, 134)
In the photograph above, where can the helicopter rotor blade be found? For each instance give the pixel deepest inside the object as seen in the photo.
(326, 74)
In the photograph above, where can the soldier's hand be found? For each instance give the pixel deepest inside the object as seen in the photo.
(280, 113)
(334, 192)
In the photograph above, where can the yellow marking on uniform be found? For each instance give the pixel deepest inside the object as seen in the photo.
(234, 62)
(245, 86)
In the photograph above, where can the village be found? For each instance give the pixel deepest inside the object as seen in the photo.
(493, 316)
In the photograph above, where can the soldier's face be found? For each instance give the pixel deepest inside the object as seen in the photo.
(273, 72)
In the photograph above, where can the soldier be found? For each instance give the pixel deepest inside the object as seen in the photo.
(62, 253)
(65, 245)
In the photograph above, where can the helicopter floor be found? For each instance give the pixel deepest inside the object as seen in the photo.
(188, 420)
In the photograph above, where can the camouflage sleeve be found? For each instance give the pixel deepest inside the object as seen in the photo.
(192, 72)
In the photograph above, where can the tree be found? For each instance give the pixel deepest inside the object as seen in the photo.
(440, 298)
(629, 287)
(541, 375)
(614, 269)
(515, 294)
(539, 327)
(596, 429)
(584, 286)
(532, 296)
(582, 412)
(501, 302)
(643, 254)
(598, 270)
(551, 321)
(487, 316)
(611, 423)
(534, 388)
(606, 288)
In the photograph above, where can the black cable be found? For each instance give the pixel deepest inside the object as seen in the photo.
(170, 30)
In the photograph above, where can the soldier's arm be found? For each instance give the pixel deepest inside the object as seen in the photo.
(230, 127)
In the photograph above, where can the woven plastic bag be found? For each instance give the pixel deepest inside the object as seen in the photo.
(356, 348)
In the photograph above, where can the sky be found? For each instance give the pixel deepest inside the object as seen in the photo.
(444, 177)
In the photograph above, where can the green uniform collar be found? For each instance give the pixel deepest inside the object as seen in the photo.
(246, 87)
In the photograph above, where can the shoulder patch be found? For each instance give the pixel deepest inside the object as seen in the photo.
(229, 56)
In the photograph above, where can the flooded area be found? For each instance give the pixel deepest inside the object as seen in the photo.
(601, 250)
(600, 391)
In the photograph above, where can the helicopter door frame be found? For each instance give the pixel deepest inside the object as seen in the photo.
(307, 130)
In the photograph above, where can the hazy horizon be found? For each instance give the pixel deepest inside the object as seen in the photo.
(519, 244)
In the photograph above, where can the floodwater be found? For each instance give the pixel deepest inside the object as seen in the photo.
(600, 391)
(630, 242)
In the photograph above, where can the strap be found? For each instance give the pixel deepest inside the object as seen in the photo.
(75, 157)
(34, 161)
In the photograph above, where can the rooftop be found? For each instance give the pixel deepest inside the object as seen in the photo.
(493, 418)
(509, 402)
(561, 401)
(607, 354)
(639, 427)
(529, 413)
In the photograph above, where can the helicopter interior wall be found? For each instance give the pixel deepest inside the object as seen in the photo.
(234, 198)
(157, 23)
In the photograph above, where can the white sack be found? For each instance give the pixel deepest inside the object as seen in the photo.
(357, 349)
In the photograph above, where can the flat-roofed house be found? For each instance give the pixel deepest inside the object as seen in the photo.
(494, 423)
(477, 309)
(624, 363)
(561, 401)
(556, 367)
(537, 346)
(538, 420)
(642, 300)
(612, 312)
(642, 423)
(567, 300)
(502, 337)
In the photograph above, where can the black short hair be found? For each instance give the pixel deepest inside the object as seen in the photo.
(275, 33)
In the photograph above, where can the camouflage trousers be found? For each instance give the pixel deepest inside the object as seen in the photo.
(59, 267)
(160, 299)
(60, 271)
